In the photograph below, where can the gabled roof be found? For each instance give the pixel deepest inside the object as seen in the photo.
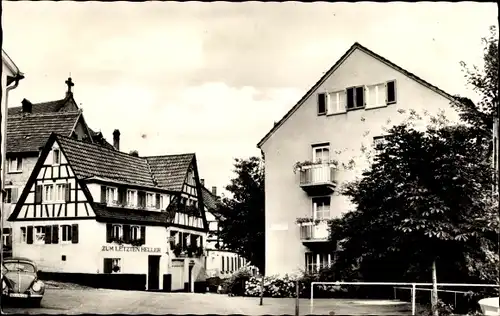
(43, 107)
(327, 74)
(92, 160)
(28, 133)
(210, 200)
(170, 171)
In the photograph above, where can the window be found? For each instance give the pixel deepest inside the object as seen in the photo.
(23, 235)
(66, 233)
(7, 237)
(116, 231)
(39, 234)
(376, 95)
(336, 102)
(317, 261)
(132, 198)
(150, 200)
(135, 232)
(222, 264)
(391, 92)
(355, 98)
(11, 195)
(48, 193)
(321, 153)
(111, 195)
(56, 156)
(321, 207)
(60, 193)
(162, 201)
(15, 164)
(378, 142)
(112, 265)
(322, 100)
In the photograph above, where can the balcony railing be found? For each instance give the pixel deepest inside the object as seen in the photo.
(319, 177)
(310, 231)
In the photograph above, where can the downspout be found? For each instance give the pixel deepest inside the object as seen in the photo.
(3, 149)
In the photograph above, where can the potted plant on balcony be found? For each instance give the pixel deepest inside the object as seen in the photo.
(177, 250)
(138, 242)
(304, 220)
(117, 240)
(301, 165)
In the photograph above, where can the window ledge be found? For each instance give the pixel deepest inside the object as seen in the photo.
(355, 109)
(376, 107)
(336, 113)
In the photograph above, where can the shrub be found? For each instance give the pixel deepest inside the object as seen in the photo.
(213, 284)
(235, 285)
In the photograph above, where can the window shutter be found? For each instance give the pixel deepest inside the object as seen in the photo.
(141, 197)
(38, 194)
(321, 103)
(391, 92)
(126, 233)
(360, 97)
(55, 234)
(29, 235)
(74, 233)
(122, 196)
(157, 201)
(108, 265)
(143, 234)
(13, 195)
(109, 232)
(48, 235)
(68, 192)
(103, 194)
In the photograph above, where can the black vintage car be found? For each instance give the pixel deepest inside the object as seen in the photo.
(20, 281)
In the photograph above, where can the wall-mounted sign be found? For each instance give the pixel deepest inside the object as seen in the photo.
(130, 249)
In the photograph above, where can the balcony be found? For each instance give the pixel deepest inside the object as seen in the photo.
(318, 179)
(313, 231)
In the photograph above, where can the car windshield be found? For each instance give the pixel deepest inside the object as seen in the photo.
(19, 267)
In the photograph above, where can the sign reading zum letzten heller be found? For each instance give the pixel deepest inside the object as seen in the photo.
(130, 249)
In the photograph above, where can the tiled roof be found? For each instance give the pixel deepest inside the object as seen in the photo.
(131, 215)
(209, 199)
(98, 138)
(170, 171)
(38, 108)
(88, 160)
(27, 133)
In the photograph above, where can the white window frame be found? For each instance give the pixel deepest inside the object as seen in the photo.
(132, 194)
(325, 214)
(322, 147)
(54, 162)
(379, 90)
(118, 262)
(336, 102)
(150, 200)
(39, 235)
(112, 195)
(44, 193)
(24, 235)
(316, 261)
(116, 228)
(135, 232)
(16, 160)
(59, 192)
(69, 234)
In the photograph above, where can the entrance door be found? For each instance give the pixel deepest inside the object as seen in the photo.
(153, 273)
(177, 275)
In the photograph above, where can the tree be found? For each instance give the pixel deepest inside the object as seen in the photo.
(242, 221)
(424, 208)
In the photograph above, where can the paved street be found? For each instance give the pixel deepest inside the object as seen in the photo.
(71, 301)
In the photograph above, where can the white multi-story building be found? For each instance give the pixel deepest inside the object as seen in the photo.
(346, 110)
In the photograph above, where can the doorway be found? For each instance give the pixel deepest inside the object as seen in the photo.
(153, 273)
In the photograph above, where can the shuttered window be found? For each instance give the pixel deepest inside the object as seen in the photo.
(355, 98)
(391, 92)
(66, 234)
(322, 100)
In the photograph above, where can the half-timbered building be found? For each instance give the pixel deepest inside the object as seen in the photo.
(28, 128)
(220, 262)
(99, 216)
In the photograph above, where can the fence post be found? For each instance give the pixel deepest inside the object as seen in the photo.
(261, 290)
(312, 297)
(297, 298)
(413, 290)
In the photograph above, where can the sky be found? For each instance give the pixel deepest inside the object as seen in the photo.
(212, 78)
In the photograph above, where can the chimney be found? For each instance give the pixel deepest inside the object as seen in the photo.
(27, 106)
(116, 139)
(202, 181)
(214, 191)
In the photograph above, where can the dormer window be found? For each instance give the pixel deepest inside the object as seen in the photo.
(56, 154)
(111, 195)
(150, 200)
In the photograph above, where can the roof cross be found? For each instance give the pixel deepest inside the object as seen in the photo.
(70, 84)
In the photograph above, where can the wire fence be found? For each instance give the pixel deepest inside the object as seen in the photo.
(458, 298)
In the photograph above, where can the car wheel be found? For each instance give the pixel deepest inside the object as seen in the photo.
(37, 302)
